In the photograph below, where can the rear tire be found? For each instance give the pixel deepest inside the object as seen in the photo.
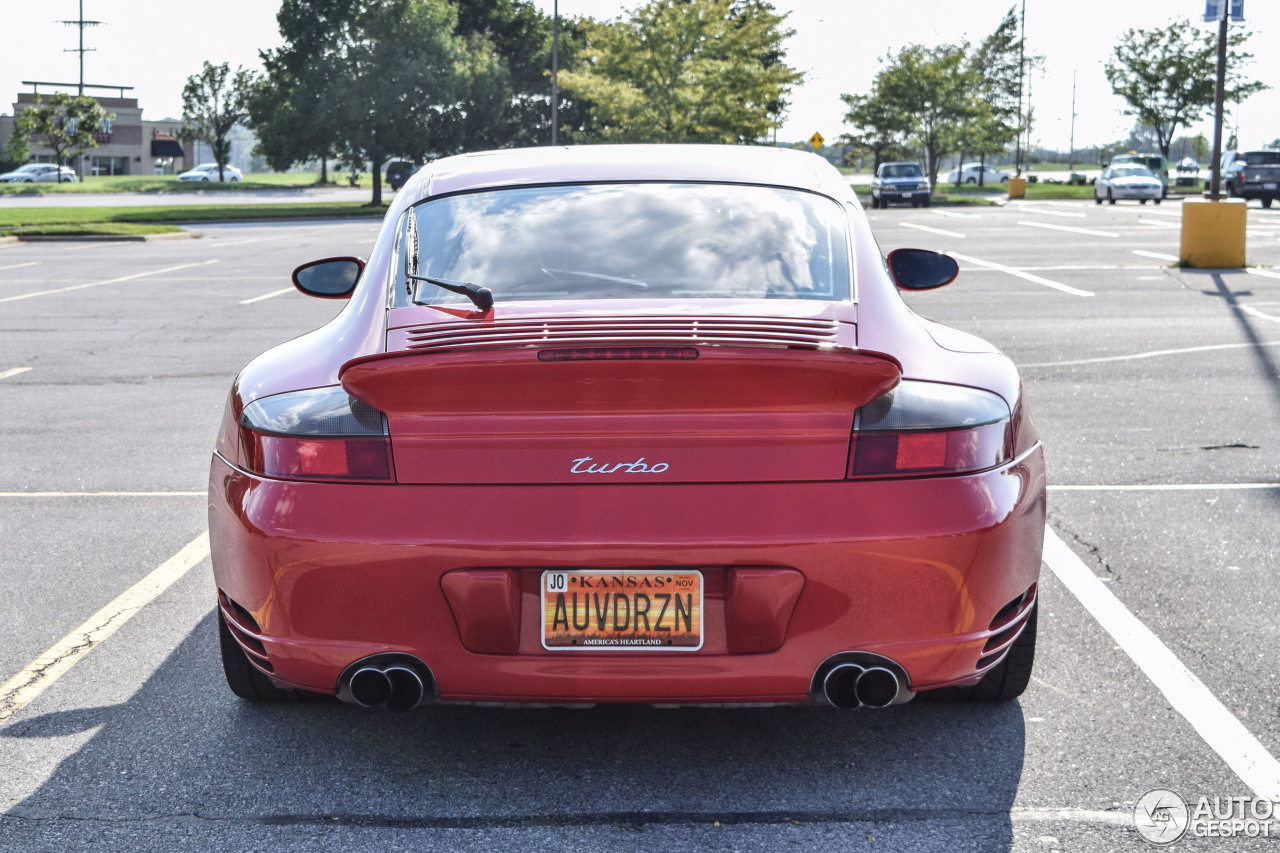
(243, 678)
(1144, 201)
(1007, 680)
(1266, 202)
(1097, 199)
(1110, 198)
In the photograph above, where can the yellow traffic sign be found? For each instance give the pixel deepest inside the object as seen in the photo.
(816, 140)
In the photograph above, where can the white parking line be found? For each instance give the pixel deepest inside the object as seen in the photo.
(931, 230)
(1159, 224)
(107, 281)
(281, 292)
(15, 266)
(1149, 354)
(1254, 312)
(193, 494)
(220, 243)
(1070, 228)
(13, 371)
(1168, 487)
(1054, 212)
(1264, 273)
(38, 675)
(953, 214)
(1186, 693)
(1159, 257)
(1020, 274)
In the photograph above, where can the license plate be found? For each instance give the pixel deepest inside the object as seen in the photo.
(648, 610)
(1268, 186)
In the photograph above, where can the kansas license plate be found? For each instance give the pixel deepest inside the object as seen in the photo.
(654, 610)
(1268, 186)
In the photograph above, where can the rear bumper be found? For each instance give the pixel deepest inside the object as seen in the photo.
(913, 570)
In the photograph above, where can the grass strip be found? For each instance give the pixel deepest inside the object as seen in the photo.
(163, 184)
(17, 218)
(92, 229)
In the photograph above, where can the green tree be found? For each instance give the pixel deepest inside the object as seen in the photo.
(213, 102)
(685, 71)
(65, 123)
(288, 112)
(1167, 75)
(994, 68)
(390, 78)
(934, 89)
(879, 128)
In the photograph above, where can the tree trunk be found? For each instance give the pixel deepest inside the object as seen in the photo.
(324, 170)
(376, 165)
(982, 170)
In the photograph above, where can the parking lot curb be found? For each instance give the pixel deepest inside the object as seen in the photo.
(5, 241)
(100, 238)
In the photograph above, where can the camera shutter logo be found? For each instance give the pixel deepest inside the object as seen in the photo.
(1161, 816)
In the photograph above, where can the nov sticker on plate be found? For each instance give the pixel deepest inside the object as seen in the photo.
(655, 610)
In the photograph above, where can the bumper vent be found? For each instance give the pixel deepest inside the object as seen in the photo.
(595, 331)
(246, 631)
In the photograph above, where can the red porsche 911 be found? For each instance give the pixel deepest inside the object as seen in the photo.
(644, 424)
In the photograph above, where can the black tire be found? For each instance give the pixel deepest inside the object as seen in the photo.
(1266, 202)
(925, 202)
(1110, 198)
(1157, 201)
(1007, 680)
(243, 678)
(1097, 199)
(1144, 201)
(971, 181)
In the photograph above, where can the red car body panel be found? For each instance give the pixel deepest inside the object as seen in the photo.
(798, 563)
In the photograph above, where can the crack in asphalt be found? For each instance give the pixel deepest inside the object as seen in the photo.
(1093, 551)
(9, 701)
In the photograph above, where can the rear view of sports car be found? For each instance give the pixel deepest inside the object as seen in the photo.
(627, 424)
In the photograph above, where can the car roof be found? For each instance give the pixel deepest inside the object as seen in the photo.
(747, 164)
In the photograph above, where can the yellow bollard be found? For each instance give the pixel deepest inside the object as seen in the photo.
(1212, 233)
(1017, 187)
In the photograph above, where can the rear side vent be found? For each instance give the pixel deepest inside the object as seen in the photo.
(245, 630)
(1006, 624)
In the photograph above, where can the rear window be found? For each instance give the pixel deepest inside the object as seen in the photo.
(1261, 158)
(626, 241)
(1131, 171)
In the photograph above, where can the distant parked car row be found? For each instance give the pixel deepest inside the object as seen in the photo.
(39, 173)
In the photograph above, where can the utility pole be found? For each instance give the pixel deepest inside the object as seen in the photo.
(555, 73)
(82, 50)
(1022, 42)
(1215, 182)
(1071, 153)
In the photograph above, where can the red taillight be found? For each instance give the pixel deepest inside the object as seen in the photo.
(608, 353)
(299, 457)
(316, 434)
(929, 428)
(879, 454)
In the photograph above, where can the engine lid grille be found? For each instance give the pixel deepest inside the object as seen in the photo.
(700, 331)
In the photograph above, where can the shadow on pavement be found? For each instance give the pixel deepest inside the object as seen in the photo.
(184, 746)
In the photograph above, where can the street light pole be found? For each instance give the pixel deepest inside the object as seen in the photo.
(1071, 154)
(1022, 41)
(555, 73)
(1215, 182)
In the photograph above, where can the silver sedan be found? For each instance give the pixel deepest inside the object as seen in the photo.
(1128, 181)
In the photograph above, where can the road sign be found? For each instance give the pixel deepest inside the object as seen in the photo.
(1214, 9)
(816, 140)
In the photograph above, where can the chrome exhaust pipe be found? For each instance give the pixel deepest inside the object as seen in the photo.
(371, 687)
(406, 688)
(876, 687)
(840, 687)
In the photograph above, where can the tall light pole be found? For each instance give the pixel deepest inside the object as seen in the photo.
(555, 73)
(1219, 90)
(1022, 41)
(1071, 154)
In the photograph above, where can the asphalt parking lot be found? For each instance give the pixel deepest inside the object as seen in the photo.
(1157, 392)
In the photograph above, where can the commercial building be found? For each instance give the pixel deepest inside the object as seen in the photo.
(128, 145)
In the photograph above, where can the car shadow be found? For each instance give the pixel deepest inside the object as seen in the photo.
(183, 745)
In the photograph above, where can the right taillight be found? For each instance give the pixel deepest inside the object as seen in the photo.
(317, 434)
(929, 428)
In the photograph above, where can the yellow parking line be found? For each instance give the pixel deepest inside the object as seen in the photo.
(38, 675)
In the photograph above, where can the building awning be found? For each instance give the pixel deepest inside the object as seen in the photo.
(166, 148)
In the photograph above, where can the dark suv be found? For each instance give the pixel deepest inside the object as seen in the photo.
(1252, 174)
(900, 182)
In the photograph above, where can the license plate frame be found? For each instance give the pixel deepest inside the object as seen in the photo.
(672, 598)
(1268, 186)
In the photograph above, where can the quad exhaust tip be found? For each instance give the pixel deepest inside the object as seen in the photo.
(399, 684)
(850, 685)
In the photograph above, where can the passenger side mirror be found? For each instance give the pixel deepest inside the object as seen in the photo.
(921, 269)
(330, 278)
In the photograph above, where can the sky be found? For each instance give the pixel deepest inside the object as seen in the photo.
(838, 45)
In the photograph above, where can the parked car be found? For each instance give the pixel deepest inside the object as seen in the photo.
(32, 173)
(1155, 163)
(1252, 174)
(1127, 180)
(209, 172)
(1188, 165)
(968, 173)
(399, 171)
(612, 424)
(900, 182)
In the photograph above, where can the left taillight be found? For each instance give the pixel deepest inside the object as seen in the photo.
(317, 434)
(922, 428)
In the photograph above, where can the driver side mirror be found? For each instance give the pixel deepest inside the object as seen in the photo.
(330, 278)
(921, 269)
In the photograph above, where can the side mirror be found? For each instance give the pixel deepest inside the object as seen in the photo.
(920, 269)
(330, 278)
